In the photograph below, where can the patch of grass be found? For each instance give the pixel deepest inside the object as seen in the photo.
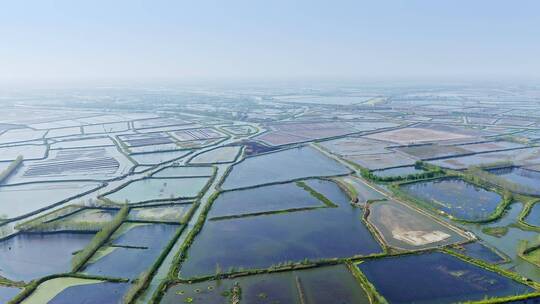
(371, 291)
(530, 252)
(495, 231)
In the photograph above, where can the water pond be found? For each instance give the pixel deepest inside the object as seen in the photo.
(157, 158)
(261, 241)
(533, 218)
(436, 278)
(455, 197)
(144, 235)
(263, 199)
(30, 256)
(481, 252)
(18, 200)
(217, 156)
(28, 152)
(282, 166)
(151, 189)
(509, 242)
(7, 293)
(145, 243)
(120, 262)
(527, 181)
(330, 284)
(177, 171)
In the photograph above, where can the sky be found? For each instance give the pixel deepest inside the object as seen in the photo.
(268, 40)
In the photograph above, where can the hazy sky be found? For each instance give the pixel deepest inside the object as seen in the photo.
(274, 39)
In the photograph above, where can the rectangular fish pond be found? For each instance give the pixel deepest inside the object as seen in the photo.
(295, 163)
(219, 155)
(436, 278)
(322, 285)
(30, 256)
(156, 158)
(134, 248)
(69, 290)
(266, 240)
(455, 197)
(156, 189)
(480, 252)
(526, 181)
(264, 199)
(18, 200)
(182, 171)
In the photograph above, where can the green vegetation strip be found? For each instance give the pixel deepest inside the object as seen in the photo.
(371, 291)
(181, 255)
(99, 239)
(143, 281)
(530, 252)
(11, 168)
(228, 217)
(529, 204)
(316, 194)
(347, 188)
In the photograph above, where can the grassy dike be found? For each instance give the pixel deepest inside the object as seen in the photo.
(99, 239)
(374, 296)
(140, 284)
(530, 252)
(181, 255)
(347, 188)
(529, 203)
(11, 168)
(316, 194)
